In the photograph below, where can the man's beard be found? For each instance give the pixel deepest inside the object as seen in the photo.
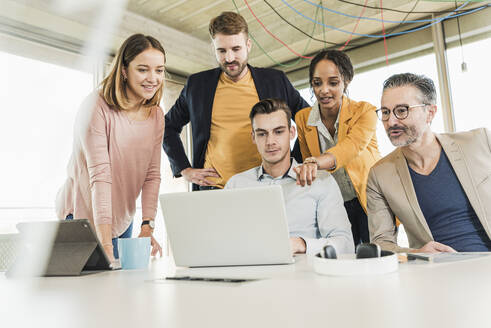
(410, 132)
(234, 74)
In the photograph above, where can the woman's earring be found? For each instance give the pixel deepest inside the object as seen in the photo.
(124, 79)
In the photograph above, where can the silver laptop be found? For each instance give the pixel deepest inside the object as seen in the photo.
(227, 227)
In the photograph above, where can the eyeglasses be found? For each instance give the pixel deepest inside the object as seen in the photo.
(400, 112)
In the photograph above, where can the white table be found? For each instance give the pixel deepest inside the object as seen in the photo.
(420, 294)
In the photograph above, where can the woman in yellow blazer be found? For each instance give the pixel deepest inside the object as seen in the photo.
(338, 134)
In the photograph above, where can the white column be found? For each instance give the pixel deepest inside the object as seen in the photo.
(443, 77)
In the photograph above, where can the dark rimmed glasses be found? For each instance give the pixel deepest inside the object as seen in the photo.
(400, 112)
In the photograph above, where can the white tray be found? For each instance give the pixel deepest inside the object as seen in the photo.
(348, 265)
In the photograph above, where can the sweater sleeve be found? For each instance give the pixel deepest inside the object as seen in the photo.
(93, 132)
(150, 190)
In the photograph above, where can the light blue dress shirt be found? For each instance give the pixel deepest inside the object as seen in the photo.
(316, 213)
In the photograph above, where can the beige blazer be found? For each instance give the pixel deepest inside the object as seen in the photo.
(390, 191)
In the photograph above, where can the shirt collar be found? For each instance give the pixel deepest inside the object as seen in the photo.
(290, 173)
(315, 116)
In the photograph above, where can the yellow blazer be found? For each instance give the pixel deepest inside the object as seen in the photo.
(356, 149)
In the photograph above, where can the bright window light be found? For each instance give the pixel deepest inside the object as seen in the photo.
(40, 101)
(470, 87)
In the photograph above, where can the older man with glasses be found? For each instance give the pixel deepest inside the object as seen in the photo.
(438, 185)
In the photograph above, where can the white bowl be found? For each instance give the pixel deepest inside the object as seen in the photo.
(349, 265)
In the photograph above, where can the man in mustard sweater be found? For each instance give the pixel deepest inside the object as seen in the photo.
(217, 104)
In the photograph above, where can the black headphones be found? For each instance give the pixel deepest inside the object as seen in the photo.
(363, 251)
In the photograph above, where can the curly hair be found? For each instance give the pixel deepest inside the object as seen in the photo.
(340, 59)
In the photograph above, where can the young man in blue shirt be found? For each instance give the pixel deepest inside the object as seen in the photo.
(316, 214)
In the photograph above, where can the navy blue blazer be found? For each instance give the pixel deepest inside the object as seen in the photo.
(195, 105)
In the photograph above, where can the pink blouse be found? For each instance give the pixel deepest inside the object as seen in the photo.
(113, 160)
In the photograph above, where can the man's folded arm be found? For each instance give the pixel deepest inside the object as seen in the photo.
(381, 219)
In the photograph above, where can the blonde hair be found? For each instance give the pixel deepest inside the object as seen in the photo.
(113, 87)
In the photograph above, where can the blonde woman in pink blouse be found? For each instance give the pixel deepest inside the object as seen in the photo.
(116, 148)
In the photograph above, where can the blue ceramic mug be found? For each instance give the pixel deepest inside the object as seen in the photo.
(134, 253)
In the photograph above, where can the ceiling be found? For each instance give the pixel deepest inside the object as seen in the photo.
(182, 25)
(192, 17)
